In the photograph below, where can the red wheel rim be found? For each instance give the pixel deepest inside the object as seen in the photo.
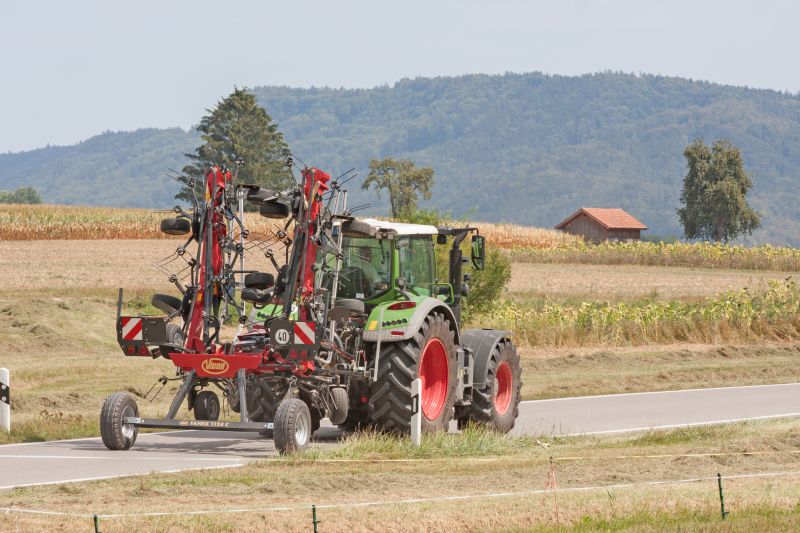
(502, 391)
(433, 371)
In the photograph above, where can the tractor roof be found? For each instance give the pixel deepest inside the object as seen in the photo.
(401, 228)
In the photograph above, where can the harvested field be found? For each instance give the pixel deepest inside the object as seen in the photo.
(578, 282)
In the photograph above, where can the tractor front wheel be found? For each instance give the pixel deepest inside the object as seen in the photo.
(496, 405)
(116, 434)
(292, 427)
(430, 355)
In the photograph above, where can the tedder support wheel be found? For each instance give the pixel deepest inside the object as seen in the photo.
(292, 426)
(338, 411)
(174, 336)
(117, 435)
(429, 355)
(206, 406)
(497, 404)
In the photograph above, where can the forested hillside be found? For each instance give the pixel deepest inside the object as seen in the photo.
(525, 148)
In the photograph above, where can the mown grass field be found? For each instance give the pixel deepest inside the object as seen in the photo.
(615, 475)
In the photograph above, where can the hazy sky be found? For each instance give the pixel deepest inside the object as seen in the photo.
(75, 68)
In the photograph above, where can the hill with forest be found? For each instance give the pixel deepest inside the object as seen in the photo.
(523, 148)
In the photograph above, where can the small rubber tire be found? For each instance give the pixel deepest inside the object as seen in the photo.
(166, 303)
(206, 406)
(273, 210)
(341, 403)
(174, 336)
(176, 226)
(496, 405)
(115, 434)
(259, 280)
(292, 427)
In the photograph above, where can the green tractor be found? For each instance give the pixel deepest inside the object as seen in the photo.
(413, 330)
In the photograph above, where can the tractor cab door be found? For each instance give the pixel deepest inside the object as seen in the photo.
(416, 264)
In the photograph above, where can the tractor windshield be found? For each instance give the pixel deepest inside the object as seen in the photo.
(366, 268)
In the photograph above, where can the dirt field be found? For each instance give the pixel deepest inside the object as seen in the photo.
(599, 282)
(129, 264)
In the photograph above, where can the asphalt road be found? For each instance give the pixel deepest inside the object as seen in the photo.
(86, 459)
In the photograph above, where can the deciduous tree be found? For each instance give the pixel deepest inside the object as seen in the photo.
(714, 193)
(404, 182)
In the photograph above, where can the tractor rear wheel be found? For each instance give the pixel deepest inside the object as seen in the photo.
(292, 426)
(429, 355)
(115, 433)
(496, 405)
(206, 406)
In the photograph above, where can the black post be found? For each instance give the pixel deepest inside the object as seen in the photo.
(96, 524)
(314, 517)
(721, 497)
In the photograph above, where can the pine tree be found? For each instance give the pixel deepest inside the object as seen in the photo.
(238, 128)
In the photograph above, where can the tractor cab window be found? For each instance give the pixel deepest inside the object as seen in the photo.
(366, 268)
(417, 263)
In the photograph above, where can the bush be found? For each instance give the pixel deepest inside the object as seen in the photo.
(23, 195)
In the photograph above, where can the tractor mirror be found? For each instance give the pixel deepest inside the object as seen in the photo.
(478, 251)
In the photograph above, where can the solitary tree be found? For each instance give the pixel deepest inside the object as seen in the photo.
(238, 128)
(714, 193)
(403, 180)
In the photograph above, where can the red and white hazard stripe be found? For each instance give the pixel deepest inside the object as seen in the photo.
(304, 333)
(131, 328)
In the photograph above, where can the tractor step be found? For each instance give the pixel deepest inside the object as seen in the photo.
(216, 425)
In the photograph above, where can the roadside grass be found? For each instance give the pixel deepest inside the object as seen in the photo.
(556, 373)
(602, 483)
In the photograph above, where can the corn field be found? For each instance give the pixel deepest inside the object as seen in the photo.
(57, 222)
(677, 254)
(730, 316)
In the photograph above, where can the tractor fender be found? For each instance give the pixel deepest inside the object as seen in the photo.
(423, 308)
(482, 342)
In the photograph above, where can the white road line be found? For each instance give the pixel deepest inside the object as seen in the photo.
(658, 392)
(45, 442)
(678, 426)
(126, 457)
(98, 478)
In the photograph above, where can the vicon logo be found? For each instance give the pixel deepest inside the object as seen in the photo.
(215, 366)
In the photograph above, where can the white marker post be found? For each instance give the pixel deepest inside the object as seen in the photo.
(416, 412)
(5, 400)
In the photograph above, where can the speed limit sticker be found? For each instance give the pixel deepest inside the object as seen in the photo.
(282, 336)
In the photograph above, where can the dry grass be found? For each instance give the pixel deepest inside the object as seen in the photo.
(556, 373)
(754, 503)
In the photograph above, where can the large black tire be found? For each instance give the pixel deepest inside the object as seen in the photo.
(168, 304)
(115, 434)
(176, 226)
(497, 404)
(206, 406)
(292, 428)
(174, 336)
(390, 400)
(340, 401)
(273, 210)
(259, 280)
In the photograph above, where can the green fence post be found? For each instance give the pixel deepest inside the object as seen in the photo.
(721, 497)
(314, 517)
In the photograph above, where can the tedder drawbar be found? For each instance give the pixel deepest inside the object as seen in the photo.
(353, 313)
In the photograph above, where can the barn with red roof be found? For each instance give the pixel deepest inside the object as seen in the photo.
(598, 224)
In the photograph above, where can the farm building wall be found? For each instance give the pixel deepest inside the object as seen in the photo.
(588, 228)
